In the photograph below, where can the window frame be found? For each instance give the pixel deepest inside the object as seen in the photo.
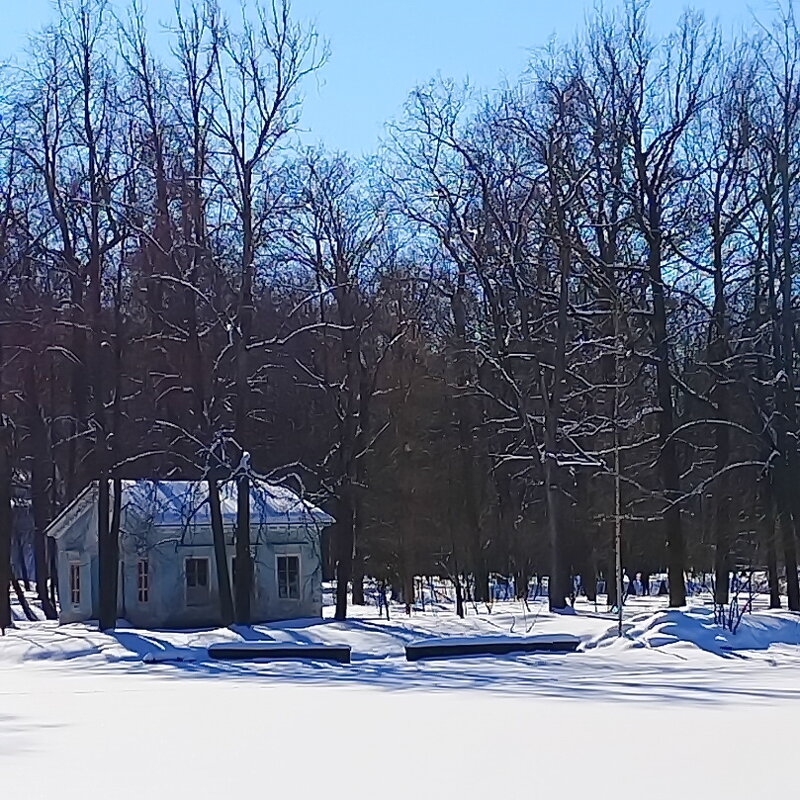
(288, 596)
(195, 602)
(75, 583)
(143, 580)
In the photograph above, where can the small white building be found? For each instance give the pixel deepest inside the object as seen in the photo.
(168, 575)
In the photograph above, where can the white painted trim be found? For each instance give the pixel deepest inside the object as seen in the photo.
(148, 580)
(73, 512)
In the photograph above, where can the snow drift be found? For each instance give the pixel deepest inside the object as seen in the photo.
(696, 626)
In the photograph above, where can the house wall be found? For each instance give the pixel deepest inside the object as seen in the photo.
(79, 546)
(167, 551)
(269, 605)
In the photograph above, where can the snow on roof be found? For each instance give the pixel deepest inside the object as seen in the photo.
(181, 502)
(174, 503)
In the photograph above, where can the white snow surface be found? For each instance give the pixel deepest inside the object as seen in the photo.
(675, 707)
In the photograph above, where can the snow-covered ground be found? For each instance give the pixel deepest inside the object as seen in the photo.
(677, 706)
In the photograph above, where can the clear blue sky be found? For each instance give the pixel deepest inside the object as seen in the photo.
(382, 48)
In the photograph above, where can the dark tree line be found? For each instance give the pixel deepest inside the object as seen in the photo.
(457, 345)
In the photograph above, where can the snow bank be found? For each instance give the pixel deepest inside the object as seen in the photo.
(696, 626)
(367, 634)
(45, 641)
(372, 638)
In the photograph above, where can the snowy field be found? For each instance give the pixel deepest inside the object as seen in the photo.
(676, 708)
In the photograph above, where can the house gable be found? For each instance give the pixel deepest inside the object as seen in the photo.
(73, 515)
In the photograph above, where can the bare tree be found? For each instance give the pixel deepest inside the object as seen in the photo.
(663, 97)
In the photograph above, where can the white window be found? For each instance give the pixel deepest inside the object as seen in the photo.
(288, 568)
(75, 584)
(143, 580)
(196, 581)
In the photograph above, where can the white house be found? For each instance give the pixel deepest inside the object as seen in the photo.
(168, 575)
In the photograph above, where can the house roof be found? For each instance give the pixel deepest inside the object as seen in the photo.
(175, 503)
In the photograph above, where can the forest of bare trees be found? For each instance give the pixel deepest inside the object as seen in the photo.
(455, 346)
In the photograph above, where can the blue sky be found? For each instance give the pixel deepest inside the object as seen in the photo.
(382, 48)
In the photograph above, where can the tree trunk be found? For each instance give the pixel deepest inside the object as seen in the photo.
(243, 577)
(558, 587)
(113, 541)
(23, 601)
(718, 351)
(220, 554)
(459, 595)
(610, 575)
(521, 580)
(345, 535)
(787, 493)
(78, 392)
(668, 460)
(721, 520)
(785, 388)
(6, 439)
(52, 560)
(23, 562)
(790, 563)
(358, 557)
(358, 580)
(108, 528)
(408, 591)
(771, 557)
(482, 593)
(41, 562)
(466, 438)
(40, 474)
(589, 582)
(107, 557)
